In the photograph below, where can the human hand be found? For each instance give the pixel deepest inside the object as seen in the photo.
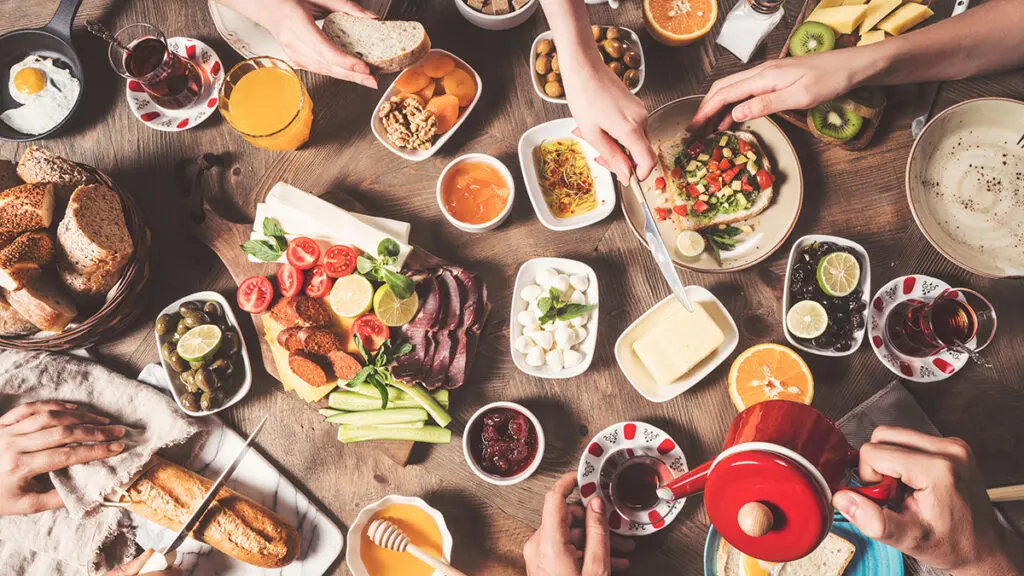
(40, 437)
(558, 546)
(291, 23)
(948, 521)
(132, 568)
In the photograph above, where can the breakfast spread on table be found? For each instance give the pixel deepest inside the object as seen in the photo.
(380, 335)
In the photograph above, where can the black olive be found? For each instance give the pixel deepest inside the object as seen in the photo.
(631, 58)
(857, 322)
(190, 402)
(222, 368)
(212, 309)
(205, 380)
(230, 342)
(631, 78)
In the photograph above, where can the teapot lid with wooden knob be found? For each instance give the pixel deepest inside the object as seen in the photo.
(767, 505)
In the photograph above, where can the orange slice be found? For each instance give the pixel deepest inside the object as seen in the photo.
(446, 107)
(412, 80)
(680, 22)
(460, 84)
(769, 372)
(438, 65)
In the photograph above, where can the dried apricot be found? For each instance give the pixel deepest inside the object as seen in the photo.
(446, 108)
(412, 80)
(438, 65)
(461, 85)
(427, 92)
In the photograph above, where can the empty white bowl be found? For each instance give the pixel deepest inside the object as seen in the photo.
(498, 480)
(633, 39)
(497, 21)
(492, 224)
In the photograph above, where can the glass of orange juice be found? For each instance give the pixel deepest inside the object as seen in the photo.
(266, 102)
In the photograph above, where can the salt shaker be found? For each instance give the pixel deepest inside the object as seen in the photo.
(748, 24)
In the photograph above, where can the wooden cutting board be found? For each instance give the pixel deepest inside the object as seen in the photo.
(224, 238)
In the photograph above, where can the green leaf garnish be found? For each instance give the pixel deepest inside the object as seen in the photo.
(263, 250)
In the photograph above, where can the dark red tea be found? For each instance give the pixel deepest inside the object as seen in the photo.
(503, 442)
(924, 328)
(635, 484)
(172, 81)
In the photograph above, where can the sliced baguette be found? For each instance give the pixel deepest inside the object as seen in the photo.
(667, 153)
(830, 558)
(43, 303)
(41, 165)
(12, 323)
(24, 208)
(93, 236)
(384, 46)
(24, 258)
(8, 175)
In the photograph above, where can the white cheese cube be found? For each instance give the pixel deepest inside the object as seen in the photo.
(531, 292)
(579, 281)
(535, 357)
(561, 283)
(564, 337)
(554, 359)
(580, 320)
(527, 319)
(543, 339)
(581, 334)
(524, 344)
(572, 358)
(578, 298)
(545, 276)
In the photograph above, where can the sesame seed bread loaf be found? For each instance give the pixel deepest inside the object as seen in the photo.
(12, 323)
(24, 258)
(384, 46)
(43, 302)
(92, 236)
(24, 208)
(39, 165)
(8, 175)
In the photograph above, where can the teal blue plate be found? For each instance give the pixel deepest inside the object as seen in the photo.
(872, 558)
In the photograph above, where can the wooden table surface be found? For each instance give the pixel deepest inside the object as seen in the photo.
(857, 195)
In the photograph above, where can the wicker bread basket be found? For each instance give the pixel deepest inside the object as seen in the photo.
(123, 300)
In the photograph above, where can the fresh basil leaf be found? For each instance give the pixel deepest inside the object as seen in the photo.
(262, 250)
(272, 228)
(361, 349)
(388, 247)
(403, 350)
(544, 304)
(549, 316)
(365, 264)
(555, 295)
(281, 242)
(400, 284)
(573, 310)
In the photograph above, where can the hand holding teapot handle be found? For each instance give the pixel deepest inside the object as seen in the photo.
(882, 493)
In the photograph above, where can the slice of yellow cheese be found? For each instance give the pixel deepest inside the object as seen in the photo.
(871, 37)
(854, 2)
(827, 4)
(289, 380)
(905, 18)
(678, 342)
(877, 9)
(843, 19)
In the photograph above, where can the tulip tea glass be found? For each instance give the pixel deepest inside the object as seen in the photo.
(957, 319)
(171, 80)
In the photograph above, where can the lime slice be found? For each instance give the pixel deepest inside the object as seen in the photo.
(838, 274)
(351, 296)
(690, 243)
(199, 343)
(393, 311)
(807, 319)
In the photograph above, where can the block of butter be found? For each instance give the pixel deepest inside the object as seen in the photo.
(678, 342)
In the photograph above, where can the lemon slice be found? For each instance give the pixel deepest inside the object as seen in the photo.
(690, 243)
(807, 319)
(351, 296)
(838, 274)
(393, 311)
(199, 343)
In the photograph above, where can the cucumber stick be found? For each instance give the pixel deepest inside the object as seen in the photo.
(371, 417)
(355, 402)
(402, 425)
(394, 393)
(430, 434)
(428, 402)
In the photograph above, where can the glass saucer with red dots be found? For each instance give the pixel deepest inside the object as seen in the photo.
(623, 465)
(166, 120)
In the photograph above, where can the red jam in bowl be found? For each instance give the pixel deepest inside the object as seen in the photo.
(503, 442)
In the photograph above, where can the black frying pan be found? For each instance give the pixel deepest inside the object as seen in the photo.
(50, 41)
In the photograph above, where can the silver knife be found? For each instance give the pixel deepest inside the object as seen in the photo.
(162, 560)
(657, 245)
(927, 91)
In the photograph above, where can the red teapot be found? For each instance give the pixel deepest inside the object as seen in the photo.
(769, 493)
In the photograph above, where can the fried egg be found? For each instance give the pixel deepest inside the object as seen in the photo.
(750, 566)
(47, 94)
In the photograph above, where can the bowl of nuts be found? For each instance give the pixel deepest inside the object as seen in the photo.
(619, 47)
(497, 14)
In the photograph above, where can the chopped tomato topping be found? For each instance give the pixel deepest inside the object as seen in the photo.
(679, 209)
(700, 207)
(714, 185)
(744, 147)
(716, 155)
(744, 185)
(724, 164)
(696, 148)
(692, 191)
(659, 183)
(764, 179)
(677, 172)
(728, 176)
(661, 213)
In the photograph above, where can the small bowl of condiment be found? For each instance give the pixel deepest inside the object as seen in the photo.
(503, 443)
(475, 192)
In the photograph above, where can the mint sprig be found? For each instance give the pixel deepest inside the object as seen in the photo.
(270, 249)
(553, 308)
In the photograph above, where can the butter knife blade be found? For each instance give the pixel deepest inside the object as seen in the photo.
(928, 91)
(657, 245)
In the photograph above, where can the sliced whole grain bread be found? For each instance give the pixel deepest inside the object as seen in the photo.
(40, 165)
(25, 208)
(12, 323)
(44, 303)
(8, 175)
(385, 46)
(24, 258)
(93, 236)
(88, 288)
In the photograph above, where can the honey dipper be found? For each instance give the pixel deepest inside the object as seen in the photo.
(388, 536)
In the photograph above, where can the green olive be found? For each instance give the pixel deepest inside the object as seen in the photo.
(182, 328)
(631, 78)
(613, 48)
(631, 58)
(614, 32)
(190, 402)
(165, 323)
(169, 349)
(204, 401)
(542, 65)
(204, 379)
(178, 363)
(188, 380)
(189, 306)
(616, 67)
(545, 47)
(554, 63)
(196, 318)
(598, 32)
(554, 89)
(222, 368)
(196, 364)
(212, 309)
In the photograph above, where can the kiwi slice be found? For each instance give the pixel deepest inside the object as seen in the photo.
(810, 38)
(866, 101)
(831, 121)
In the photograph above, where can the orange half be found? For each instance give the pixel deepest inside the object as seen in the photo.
(680, 22)
(769, 372)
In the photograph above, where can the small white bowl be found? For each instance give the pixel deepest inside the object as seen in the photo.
(604, 186)
(417, 155)
(634, 42)
(865, 286)
(177, 388)
(527, 275)
(491, 225)
(642, 380)
(355, 531)
(498, 480)
(497, 21)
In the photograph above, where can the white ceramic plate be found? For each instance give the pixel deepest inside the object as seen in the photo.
(496, 21)
(526, 276)
(865, 287)
(604, 187)
(417, 155)
(500, 480)
(247, 37)
(644, 382)
(177, 388)
(634, 42)
(352, 558)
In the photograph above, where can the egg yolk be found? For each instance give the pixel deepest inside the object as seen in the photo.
(29, 80)
(750, 566)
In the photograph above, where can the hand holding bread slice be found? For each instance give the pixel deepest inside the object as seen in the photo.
(384, 46)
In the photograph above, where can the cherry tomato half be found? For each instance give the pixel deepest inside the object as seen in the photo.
(289, 280)
(371, 331)
(303, 253)
(318, 284)
(255, 294)
(340, 261)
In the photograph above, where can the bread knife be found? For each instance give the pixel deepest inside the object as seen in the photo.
(929, 90)
(163, 559)
(657, 245)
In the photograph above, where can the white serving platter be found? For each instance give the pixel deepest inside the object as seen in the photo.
(604, 186)
(526, 276)
(352, 557)
(634, 42)
(644, 382)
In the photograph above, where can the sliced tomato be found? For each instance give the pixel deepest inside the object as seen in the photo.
(677, 172)
(340, 261)
(289, 280)
(679, 209)
(255, 294)
(716, 155)
(700, 206)
(724, 164)
(692, 191)
(371, 331)
(714, 186)
(744, 185)
(728, 176)
(659, 183)
(660, 213)
(303, 253)
(744, 146)
(764, 179)
(695, 149)
(318, 284)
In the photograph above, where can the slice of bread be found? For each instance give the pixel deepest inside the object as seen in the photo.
(667, 153)
(24, 208)
(12, 323)
(24, 258)
(8, 175)
(384, 46)
(88, 288)
(43, 303)
(830, 558)
(40, 165)
(93, 236)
